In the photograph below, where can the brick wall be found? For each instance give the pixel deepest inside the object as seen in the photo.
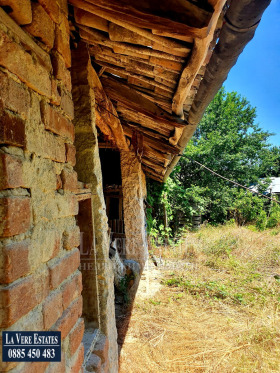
(40, 280)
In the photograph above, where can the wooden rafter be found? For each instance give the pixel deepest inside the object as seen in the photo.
(192, 18)
(130, 98)
(122, 21)
(199, 53)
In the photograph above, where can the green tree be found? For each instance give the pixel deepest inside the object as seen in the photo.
(230, 142)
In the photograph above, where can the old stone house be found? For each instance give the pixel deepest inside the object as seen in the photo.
(95, 96)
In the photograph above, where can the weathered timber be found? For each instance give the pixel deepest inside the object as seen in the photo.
(192, 20)
(134, 116)
(121, 21)
(88, 19)
(148, 140)
(199, 53)
(140, 78)
(132, 99)
(105, 111)
(153, 173)
(121, 34)
(174, 35)
(98, 36)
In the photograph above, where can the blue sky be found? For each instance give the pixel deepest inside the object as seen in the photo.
(256, 74)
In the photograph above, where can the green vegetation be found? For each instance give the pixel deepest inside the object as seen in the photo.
(229, 142)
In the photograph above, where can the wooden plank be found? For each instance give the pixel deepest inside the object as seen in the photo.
(152, 173)
(98, 36)
(83, 196)
(197, 58)
(134, 116)
(132, 99)
(146, 81)
(174, 35)
(190, 19)
(121, 34)
(28, 42)
(121, 21)
(88, 19)
(148, 140)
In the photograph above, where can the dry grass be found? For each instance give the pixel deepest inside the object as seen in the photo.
(217, 310)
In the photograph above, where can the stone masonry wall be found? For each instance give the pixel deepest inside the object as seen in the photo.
(89, 171)
(40, 281)
(134, 192)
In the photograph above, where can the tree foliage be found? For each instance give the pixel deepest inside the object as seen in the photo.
(229, 142)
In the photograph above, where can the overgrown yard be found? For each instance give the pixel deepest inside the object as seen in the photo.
(211, 306)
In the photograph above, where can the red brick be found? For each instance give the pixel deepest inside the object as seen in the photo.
(67, 104)
(69, 318)
(15, 261)
(56, 122)
(70, 154)
(71, 238)
(77, 364)
(12, 129)
(69, 180)
(21, 10)
(72, 290)
(56, 246)
(52, 8)
(10, 171)
(76, 336)
(35, 367)
(14, 96)
(64, 267)
(42, 27)
(61, 42)
(60, 71)
(28, 69)
(52, 309)
(55, 98)
(15, 215)
(21, 297)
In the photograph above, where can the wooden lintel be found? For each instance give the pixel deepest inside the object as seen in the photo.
(198, 55)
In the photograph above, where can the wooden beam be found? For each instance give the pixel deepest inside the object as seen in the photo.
(99, 37)
(152, 173)
(123, 35)
(121, 21)
(148, 140)
(141, 78)
(88, 19)
(132, 99)
(105, 112)
(136, 117)
(192, 20)
(174, 35)
(197, 58)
